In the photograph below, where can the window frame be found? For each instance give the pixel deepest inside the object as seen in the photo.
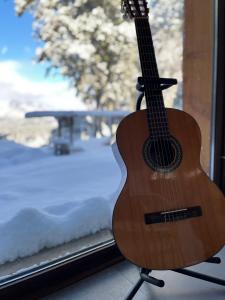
(60, 273)
(217, 168)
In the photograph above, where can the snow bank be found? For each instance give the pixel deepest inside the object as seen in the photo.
(47, 201)
(32, 230)
(12, 153)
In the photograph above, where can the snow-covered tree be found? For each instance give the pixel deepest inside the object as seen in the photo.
(88, 41)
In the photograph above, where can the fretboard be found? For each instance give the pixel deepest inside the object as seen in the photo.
(157, 117)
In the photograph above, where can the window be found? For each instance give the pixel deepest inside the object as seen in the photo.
(57, 172)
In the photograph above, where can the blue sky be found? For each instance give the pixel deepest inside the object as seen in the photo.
(17, 42)
(21, 80)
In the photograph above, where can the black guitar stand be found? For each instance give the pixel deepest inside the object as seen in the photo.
(164, 83)
(144, 277)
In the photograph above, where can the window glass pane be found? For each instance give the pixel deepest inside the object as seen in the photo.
(167, 27)
(57, 171)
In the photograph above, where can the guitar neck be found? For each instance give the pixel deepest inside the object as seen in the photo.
(157, 117)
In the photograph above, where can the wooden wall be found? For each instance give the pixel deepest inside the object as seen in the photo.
(198, 67)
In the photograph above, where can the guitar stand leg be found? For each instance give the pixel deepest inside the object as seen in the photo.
(144, 274)
(201, 276)
(152, 280)
(135, 289)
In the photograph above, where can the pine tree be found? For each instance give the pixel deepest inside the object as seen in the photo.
(90, 43)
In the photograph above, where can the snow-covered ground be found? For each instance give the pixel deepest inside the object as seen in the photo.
(46, 200)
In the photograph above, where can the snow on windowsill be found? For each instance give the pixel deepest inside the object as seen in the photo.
(48, 201)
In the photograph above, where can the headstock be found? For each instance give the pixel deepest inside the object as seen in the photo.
(135, 8)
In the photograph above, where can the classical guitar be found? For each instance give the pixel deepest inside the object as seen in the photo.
(168, 214)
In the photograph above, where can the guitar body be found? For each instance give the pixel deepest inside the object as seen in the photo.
(176, 242)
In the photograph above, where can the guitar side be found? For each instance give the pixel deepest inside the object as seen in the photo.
(167, 245)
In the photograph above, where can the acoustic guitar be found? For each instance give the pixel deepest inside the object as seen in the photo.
(169, 214)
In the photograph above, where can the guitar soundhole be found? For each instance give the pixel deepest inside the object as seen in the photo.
(162, 154)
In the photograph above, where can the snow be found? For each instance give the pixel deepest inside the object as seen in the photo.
(13, 154)
(47, 200)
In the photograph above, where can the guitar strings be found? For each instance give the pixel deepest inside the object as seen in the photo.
(158, 108)
(155, 108)
(140, 34)
(160, 98)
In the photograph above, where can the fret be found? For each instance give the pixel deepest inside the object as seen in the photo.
(148, 66)
(147, 55)
(159, 121)
(149, 74)
(146, 60)
(156, 103)
(156, 129)
(161, 118)
(156, 125)
(146, 47)
(148, 52)
(144, 30)
(158, 110)
(157, 113)
(156, 106)
(159, 133)
(148, 69)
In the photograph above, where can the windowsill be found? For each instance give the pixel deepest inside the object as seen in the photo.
(49, 255)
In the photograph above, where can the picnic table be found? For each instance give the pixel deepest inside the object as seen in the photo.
(76, 122)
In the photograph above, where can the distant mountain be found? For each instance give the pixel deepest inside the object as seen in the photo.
(19, 94)
(14, 103)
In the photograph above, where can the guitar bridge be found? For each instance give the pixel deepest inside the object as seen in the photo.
(173, 215)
